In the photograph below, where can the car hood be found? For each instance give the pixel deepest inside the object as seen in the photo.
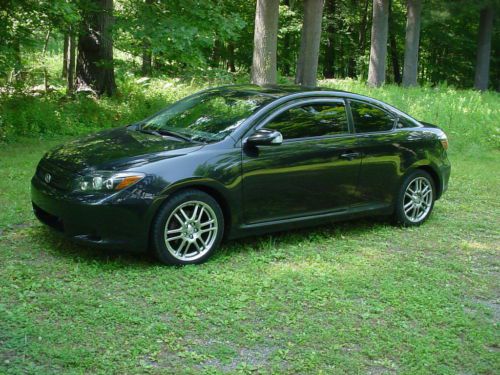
(117, 149)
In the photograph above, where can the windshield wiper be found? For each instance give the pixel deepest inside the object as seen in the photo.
(162, 132)
(174, 134)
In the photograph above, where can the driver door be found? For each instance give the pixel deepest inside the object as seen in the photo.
(314, 170)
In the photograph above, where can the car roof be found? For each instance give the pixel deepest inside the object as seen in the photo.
(277, 91)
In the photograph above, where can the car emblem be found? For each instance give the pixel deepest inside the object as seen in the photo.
(48, 178)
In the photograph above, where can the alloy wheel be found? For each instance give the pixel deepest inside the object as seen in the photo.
(417, 200)
(191, 230)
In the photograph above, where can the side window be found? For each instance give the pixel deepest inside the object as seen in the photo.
(405, 123)
(368, 118)
(311, 120)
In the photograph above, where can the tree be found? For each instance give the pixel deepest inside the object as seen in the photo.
(307, 64)
(378, 51)
(484, 48)
(329, 62)
(412, 42)
(265, 42)
(94, 67)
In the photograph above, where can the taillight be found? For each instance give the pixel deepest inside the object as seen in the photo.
(444, 140)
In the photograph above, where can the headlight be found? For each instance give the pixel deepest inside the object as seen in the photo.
(104, 181)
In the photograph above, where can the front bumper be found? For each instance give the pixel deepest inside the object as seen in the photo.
(121, 222)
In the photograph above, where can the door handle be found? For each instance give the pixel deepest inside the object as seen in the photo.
(350, 155)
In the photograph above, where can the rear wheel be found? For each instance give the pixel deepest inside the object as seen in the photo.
(416, 199)
(188, 228)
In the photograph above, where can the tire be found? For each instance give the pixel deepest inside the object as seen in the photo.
(416, 198)
(188, 228)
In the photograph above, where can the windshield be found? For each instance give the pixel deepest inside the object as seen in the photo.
(208, 116)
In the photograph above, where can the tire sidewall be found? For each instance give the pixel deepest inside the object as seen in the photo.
(399, 210)
(157, 233)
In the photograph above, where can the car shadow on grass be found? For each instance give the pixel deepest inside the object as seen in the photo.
(63, 247)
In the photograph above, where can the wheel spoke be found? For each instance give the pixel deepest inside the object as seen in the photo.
(179, 249)
(178, 218)
(207, 223)
(200, 215)
(173, 231)
(195, 211)
(186, 217)
(175, 238)
(212, 229)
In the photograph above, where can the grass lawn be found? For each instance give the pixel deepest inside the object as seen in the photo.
(357, 297)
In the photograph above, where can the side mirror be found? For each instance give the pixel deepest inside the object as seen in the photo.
(265, 137)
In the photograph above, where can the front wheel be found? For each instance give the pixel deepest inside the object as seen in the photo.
(188, 228)
(416, 199)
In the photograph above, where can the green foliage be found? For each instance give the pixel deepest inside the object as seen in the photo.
(358, 297)
(180, 34)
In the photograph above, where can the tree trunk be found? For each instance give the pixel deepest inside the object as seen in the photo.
(329, 64)
(230, 58)
(147, 57)
(394, 48)
(307, 65)
(265, 42)
(378, 50)
(286, 47)
(363, 28)
(484, 49)
(71, 63)
(45, 72)
(412, 41)
(64, 72)
(94, 68)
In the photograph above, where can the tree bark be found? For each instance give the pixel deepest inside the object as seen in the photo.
(378, 50)
(329, 65)
(307, 65)
(94, 68)
(45, 72)
(394, 48)
(230, 58)
(484, 49)
(412, 41)
(147, 57)
(265, 42)
(70, 80)
(64, 72)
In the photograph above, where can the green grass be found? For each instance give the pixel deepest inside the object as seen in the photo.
(357, 297)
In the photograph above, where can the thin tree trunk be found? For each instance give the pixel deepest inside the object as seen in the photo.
(265, 42)
(18, 64)
(484, 49)
(412, 41)
(286, 47)
(394, 48)
(71, 64)
(378, 50)
(64, 72)
(45, 73)
(363, 29)
(307, 65)
(329, 64)
(94, 68)
(147, 57)
(230, 58)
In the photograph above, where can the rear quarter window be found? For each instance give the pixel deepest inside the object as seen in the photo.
(368, 118)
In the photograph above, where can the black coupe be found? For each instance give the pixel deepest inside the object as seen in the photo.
(241, 160)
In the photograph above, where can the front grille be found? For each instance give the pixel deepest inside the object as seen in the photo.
(60, 178)
(48, 219)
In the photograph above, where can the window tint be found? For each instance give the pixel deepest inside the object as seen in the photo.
(368, 118)
(405, 123)
(312, 120)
